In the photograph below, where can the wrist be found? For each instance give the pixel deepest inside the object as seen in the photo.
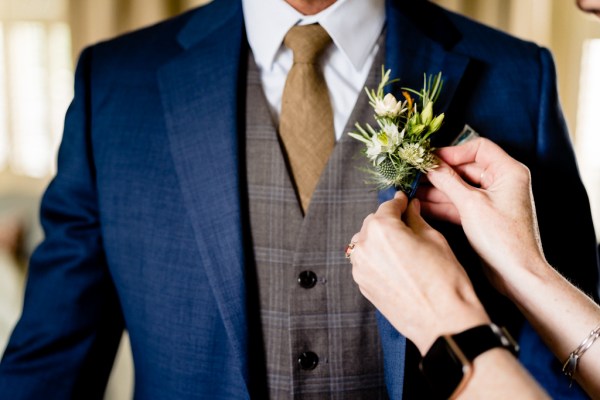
(448, 365)
(459, 315)
(532, 277)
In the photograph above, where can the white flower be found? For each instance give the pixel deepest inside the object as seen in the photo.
(386, 140)
(400, 145)
(412, 153)
(388, 106)
(379, 144)
(393, 134)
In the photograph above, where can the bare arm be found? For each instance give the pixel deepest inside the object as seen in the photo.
(499, 375)
(408, 271)
(499, 219)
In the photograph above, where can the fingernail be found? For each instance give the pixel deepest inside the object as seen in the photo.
(417, 205)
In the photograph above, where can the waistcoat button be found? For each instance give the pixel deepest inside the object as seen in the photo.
(307, 279)
(308, 360)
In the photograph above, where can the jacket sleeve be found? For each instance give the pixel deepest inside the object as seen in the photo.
(65, 341)
(563, 208)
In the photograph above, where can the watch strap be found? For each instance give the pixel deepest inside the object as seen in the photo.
(477, 340)
(448, 363)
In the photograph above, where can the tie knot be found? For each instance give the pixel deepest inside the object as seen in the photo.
(307, 42)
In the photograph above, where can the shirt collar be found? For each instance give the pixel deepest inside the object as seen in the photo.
(354, 26)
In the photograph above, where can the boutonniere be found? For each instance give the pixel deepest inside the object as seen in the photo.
(399, 147)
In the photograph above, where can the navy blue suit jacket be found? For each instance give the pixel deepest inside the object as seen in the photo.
(146, 220)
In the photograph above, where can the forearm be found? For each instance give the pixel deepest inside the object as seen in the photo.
(498, 375)
(494, 374)
(562, 315)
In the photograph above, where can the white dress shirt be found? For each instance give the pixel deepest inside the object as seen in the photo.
(354, 26)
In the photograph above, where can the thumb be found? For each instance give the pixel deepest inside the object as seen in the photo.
(413, 217)
(394, 207)
(447, 180)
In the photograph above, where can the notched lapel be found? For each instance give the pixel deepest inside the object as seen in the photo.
(199, 92)
(420, 40)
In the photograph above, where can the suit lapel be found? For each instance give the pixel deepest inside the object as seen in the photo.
(199, 92)
(420, 39)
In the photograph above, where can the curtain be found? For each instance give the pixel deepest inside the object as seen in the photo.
(95, 20)
(556, 24)
(574, 39)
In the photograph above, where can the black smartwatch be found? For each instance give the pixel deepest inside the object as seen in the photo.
(447, 364)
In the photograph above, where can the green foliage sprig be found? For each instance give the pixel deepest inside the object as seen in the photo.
(399, 146)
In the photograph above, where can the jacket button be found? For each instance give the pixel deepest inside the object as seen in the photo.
(308, 360)
(307, 279)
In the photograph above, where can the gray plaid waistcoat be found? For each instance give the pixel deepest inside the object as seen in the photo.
(324, 316)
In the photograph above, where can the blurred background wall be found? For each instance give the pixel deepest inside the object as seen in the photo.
(41, 39)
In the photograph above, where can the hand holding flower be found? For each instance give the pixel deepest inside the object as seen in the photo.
(408, 271)
(499, 220)
(497, 215)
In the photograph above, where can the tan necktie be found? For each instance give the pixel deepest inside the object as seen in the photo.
(306, 123)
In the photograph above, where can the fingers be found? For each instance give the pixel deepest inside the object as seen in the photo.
(442, 211)
(435, 204)
(481, 150)
(473, 173)
(431, 194)
(417, 223)
(390, 209)
(461, 154)
(401, 195)
(447, 180)
(395, 207)
(413, 216)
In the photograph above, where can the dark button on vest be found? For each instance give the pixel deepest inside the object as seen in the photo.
(308, 360)
(307, 279)
(322, 342)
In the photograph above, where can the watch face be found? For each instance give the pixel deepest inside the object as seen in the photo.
(446, 367)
